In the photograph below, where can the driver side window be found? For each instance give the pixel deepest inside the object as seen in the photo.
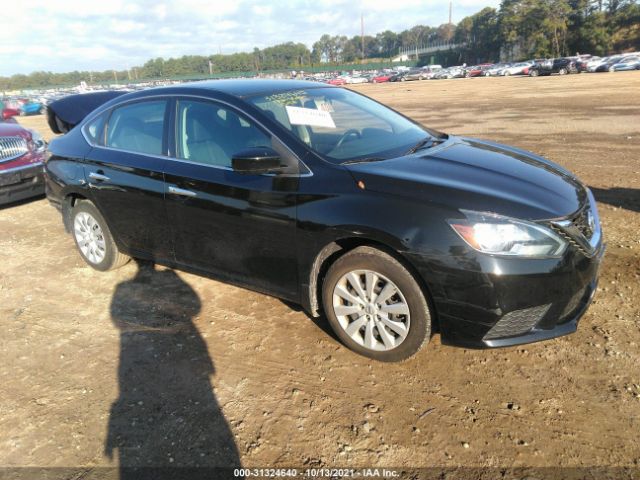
(210, 134)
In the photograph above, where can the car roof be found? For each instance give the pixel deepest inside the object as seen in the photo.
(253, 86)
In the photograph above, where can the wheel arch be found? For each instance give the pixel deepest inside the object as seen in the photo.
(70, 200)
(337, 248)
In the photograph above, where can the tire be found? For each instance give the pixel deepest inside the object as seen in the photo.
(533, 73)
(385, 344)
(100, 251)
(611, 69)
(562, 71)
(507, 74)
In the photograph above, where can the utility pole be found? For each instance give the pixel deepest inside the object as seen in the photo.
(115, 76)
(210, 68)
(362, 33)
(450, 29)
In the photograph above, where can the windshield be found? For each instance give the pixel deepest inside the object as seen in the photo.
(342, 126)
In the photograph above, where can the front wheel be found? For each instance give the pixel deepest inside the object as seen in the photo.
(562, 71)
(93, 238)
(375, 306)
(533, 73)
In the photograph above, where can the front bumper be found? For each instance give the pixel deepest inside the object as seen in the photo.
(21, 183)
(484, 301)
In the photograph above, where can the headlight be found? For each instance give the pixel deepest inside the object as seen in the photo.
(498, 235)
(39, 145)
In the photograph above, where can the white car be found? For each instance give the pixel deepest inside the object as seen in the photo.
(357, 79)
(495, 70)
(515, 69)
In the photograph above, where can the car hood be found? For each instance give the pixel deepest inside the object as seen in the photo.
(10, 129)
(471, 174)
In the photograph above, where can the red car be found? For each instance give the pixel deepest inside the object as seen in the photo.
(478, 70)
(22, 154)
(383, 77)
(337, 81)
(8, 113)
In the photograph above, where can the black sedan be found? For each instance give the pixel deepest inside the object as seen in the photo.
(561, 66)
(326, 198)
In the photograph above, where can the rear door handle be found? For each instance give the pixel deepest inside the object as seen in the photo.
(182, 192)
(98, 177)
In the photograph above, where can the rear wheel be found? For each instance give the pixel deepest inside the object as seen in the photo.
(93, 238)
(562, 71)
(533, 73)
(375, 306)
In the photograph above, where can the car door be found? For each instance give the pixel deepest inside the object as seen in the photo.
(241, 227)
(124, 171)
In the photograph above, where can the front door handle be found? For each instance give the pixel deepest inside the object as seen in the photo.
(182, 192)
(98, 177)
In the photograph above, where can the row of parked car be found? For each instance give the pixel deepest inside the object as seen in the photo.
(14, 106)
(533, 68)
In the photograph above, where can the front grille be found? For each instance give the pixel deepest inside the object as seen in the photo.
(580, 229)
(517, 322)
(12, 147)
(581, 223)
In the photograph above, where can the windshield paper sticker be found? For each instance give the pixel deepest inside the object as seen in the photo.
(310, 116)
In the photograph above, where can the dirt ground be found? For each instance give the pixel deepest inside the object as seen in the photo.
(156, 367)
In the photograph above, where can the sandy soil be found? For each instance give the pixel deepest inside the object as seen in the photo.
(167, 368)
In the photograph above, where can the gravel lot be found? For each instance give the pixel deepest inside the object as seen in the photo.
(154, 367)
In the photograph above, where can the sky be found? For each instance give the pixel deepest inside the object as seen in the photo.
(67, 35)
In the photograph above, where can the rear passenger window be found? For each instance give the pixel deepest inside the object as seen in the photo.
(137, 127)
(210, 134)
(94, 130)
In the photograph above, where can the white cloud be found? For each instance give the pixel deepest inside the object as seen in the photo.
(64, 35)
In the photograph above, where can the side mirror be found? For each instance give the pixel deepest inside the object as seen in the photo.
(256, 160)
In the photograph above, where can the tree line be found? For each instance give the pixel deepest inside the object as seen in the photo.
(517, 30)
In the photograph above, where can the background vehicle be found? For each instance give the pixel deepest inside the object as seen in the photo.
(31, 108)
(8, 113)
(413, 74)
(608, 64)
(583, 63)
(478, 70)
(21, 160)
(357, 79)
(385, 224)
(493, 70)
(521, 68)
(429, 71)
(627, 63)
(561, 66)
(337, 81)
(383, 77)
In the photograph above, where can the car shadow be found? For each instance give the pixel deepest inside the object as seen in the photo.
(166, 420)
(321, 322)
(24, 201)
(627, 198)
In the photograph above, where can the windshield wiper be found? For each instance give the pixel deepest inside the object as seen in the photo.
(363, 160)
(427, 142)
(424, 143)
